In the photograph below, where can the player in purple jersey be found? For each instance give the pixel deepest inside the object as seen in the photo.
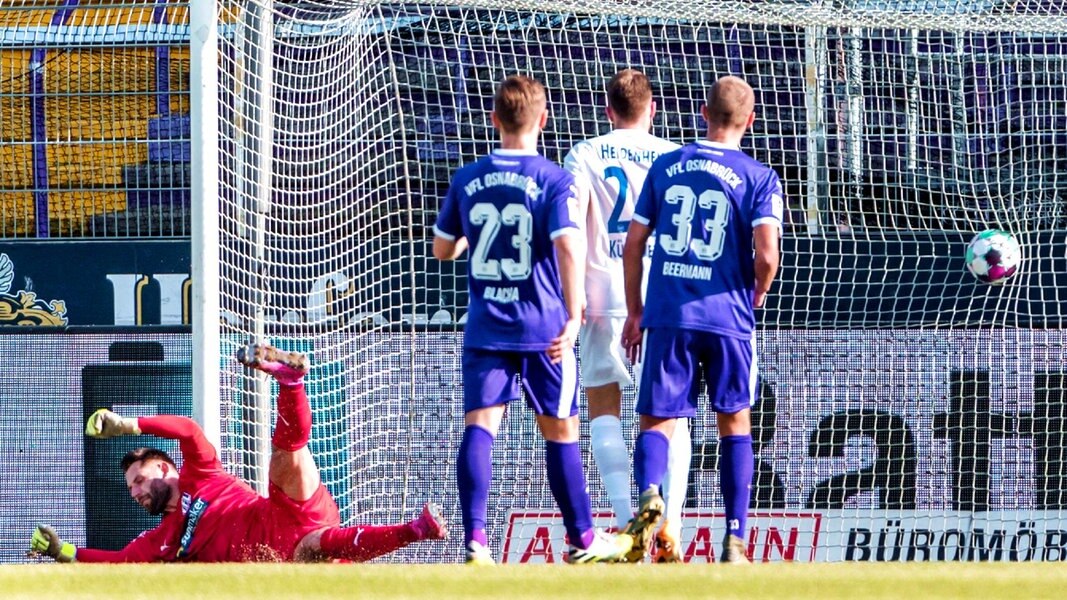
(709, 205)
(516, 210)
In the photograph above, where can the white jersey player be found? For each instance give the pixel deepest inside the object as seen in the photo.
(609, 171)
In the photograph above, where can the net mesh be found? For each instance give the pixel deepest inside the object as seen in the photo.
(888, 375)
(906, 412)
(898, 130)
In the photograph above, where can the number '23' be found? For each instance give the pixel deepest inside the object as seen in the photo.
(491, 220)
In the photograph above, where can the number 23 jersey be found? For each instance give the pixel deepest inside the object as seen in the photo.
(511, 206)
(702, 202)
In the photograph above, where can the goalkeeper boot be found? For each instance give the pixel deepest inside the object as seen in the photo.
(733, 551)
(431, 523)
(605, 548)
(479, 555)
(288, 368)
(642, 527)
(666, 548)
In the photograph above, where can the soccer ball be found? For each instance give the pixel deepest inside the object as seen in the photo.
(993, 256)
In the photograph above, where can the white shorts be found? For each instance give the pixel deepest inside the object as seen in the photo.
(601, 357)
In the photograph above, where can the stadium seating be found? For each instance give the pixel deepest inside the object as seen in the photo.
(77, 123)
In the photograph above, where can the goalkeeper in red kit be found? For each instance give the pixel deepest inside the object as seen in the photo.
(212, 516)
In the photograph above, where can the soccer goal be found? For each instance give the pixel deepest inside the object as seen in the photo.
(907, 412)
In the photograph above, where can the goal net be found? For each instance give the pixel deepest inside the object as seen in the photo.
(906, 411)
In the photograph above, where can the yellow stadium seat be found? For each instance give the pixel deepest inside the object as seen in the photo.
(97, 106)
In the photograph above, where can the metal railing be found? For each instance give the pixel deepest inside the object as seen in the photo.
(94, 128)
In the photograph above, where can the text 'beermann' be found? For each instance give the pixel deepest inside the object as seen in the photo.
(676, 269)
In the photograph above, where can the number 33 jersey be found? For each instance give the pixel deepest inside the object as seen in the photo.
(609, 171)
(702, 203)
(511, 206)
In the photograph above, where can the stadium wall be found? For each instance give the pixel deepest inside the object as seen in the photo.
(880, 435)
(95, 283)
(147, 282)
(922, 450)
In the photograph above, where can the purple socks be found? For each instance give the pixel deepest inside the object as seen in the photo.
(566, 478)
(474, 473)
(650, 459)
(736, 464)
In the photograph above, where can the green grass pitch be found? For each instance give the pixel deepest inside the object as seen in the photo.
(853, 581)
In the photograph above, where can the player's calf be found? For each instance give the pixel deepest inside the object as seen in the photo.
(367, 542)
(288, 368)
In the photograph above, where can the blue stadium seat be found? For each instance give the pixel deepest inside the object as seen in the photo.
(168, 138)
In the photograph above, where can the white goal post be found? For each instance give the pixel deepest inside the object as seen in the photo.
(907, 412)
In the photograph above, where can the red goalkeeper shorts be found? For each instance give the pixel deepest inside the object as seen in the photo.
(288, 520)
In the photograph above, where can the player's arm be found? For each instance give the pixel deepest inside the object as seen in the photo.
(583, 189)
(765, 237)
(570, 258)
(91, 555)
(448, 248)
(633, 272)
(585, 199)
(766, 233)
(147, 547)
(448, 239)
(197, 451)
(46, 542)
(583, 192)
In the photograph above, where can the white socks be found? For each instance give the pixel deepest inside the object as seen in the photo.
(676, 480)
(613, 461)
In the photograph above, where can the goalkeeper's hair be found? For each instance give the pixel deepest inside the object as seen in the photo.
(140, 454)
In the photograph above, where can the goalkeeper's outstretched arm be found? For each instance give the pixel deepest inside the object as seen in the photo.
(198, 455)
(46, 542)
(197, 451)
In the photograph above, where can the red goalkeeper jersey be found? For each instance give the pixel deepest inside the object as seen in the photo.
(221, 518)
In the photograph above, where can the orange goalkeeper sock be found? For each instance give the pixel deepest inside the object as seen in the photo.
(364, 542)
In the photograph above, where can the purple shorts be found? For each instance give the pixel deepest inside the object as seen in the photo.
(676, 361)
(492, 377)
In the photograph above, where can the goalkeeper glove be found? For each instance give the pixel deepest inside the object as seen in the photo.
(45, 540)
(105, 424)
